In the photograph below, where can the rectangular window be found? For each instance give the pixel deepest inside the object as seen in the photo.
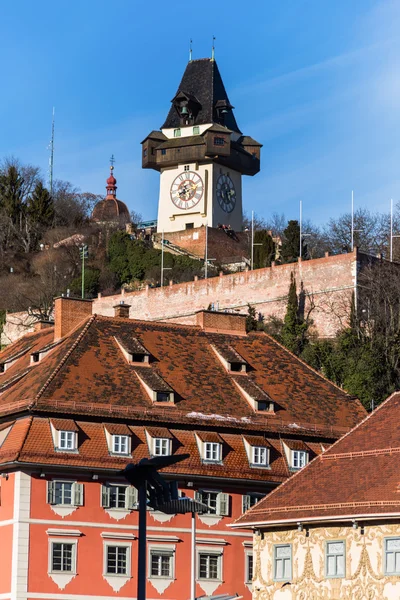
(163, 151)
(177, 133)
(283, 562)
(209, 566)
(62, 557)
(196, 130)
(299, 459)
(187, 168)
(120, 444)
(212, 451)
(161, 446)
(63, 492)
(210, 499)
(249, 500)
(118, 496)
(249, 568)
(219, 141)
(162, 397)
(392, 556)
(335, 563)
(144, 152)
(161, 564)
(117, 560)
(66, 440)
(260, 456)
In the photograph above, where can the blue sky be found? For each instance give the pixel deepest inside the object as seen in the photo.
(316, 81)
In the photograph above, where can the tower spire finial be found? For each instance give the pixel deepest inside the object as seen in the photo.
(112, 161)
(190, 50)
(111, 186)
(213, 48)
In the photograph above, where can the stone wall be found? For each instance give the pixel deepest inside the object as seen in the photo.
(328, 284)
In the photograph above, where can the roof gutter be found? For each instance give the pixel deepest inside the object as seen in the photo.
(314, 520)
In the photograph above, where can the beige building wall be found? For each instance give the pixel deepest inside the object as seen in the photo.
(365, 577)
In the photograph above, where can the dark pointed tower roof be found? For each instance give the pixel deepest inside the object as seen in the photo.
(202, 82)
(111, 209)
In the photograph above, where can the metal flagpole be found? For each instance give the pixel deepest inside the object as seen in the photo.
(391, 229)
(193, 560)
(301, 218)
(162, 258)
(252, 239)
(352, 220)
(206, 254)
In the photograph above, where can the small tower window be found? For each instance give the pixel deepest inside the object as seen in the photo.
(196, 130)
(219, 141)
(145, 152)
(177, 132)
(163, 151)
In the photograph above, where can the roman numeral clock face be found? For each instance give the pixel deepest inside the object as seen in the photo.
(226, 193)
(187, 190)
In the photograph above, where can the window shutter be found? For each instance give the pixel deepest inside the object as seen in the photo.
(245, 502)
(131, 497)
(223, 505)
(78, 494)
(105, 496)
(198, 496)
(50, 492)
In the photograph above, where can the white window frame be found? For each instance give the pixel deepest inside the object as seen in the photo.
(74, 544)
(163, 443)
(275, 563)
(208, 552)
(162, 551)
(210, 448)
(70, 440)
(247, 578)
(249, 500)
(220, 500)
(113, 544)
(130, 497)
(260, 450)
(76, 489)
(116, 444)
(328, 554)
(300, 456)
(386, 552)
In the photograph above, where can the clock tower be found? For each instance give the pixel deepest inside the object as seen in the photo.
(201, 154)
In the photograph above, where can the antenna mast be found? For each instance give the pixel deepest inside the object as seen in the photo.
(51, 159)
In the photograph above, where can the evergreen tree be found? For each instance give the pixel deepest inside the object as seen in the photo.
(291, 243)
(40, 206)
(11, 192)
(265, 253)
(251, 319)
(294, 327)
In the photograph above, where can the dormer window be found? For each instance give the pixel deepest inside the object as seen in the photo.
(157, 389)
(255, 396)
(120, 444)
(260, 456)
(177, 132)
(212, 452)
(231, 359)
(299, 459)
(161, 446)
(65, 435)
(35, 357)
(196, 130)
(133, 350)
(67, 440)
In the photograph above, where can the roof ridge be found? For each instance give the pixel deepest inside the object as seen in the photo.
(62, 361)
(307, 365)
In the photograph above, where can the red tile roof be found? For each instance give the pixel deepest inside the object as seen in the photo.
(64, 424)
(358, 476)
(86, 377)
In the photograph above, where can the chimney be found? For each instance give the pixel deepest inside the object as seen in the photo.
(221, 322)
(42, 324)
(68, 313)
(121, 310)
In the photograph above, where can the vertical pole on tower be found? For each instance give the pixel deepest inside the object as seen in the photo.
(352, 220)
(252, 239)
(301, 227)
(162, 258)
(206, 255)
(391, 229)
(213, 49)
(190, 50)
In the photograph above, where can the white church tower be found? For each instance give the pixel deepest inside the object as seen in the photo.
(201, 155)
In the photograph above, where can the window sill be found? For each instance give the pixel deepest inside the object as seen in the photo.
(255, 466)
(206, 461)
(65, 451)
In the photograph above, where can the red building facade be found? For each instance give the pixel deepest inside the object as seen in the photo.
(81, 400)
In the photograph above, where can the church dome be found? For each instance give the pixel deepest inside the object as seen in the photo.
(111, 209)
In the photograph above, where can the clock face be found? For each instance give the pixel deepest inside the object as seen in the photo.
(226, 193)
(187, 190)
